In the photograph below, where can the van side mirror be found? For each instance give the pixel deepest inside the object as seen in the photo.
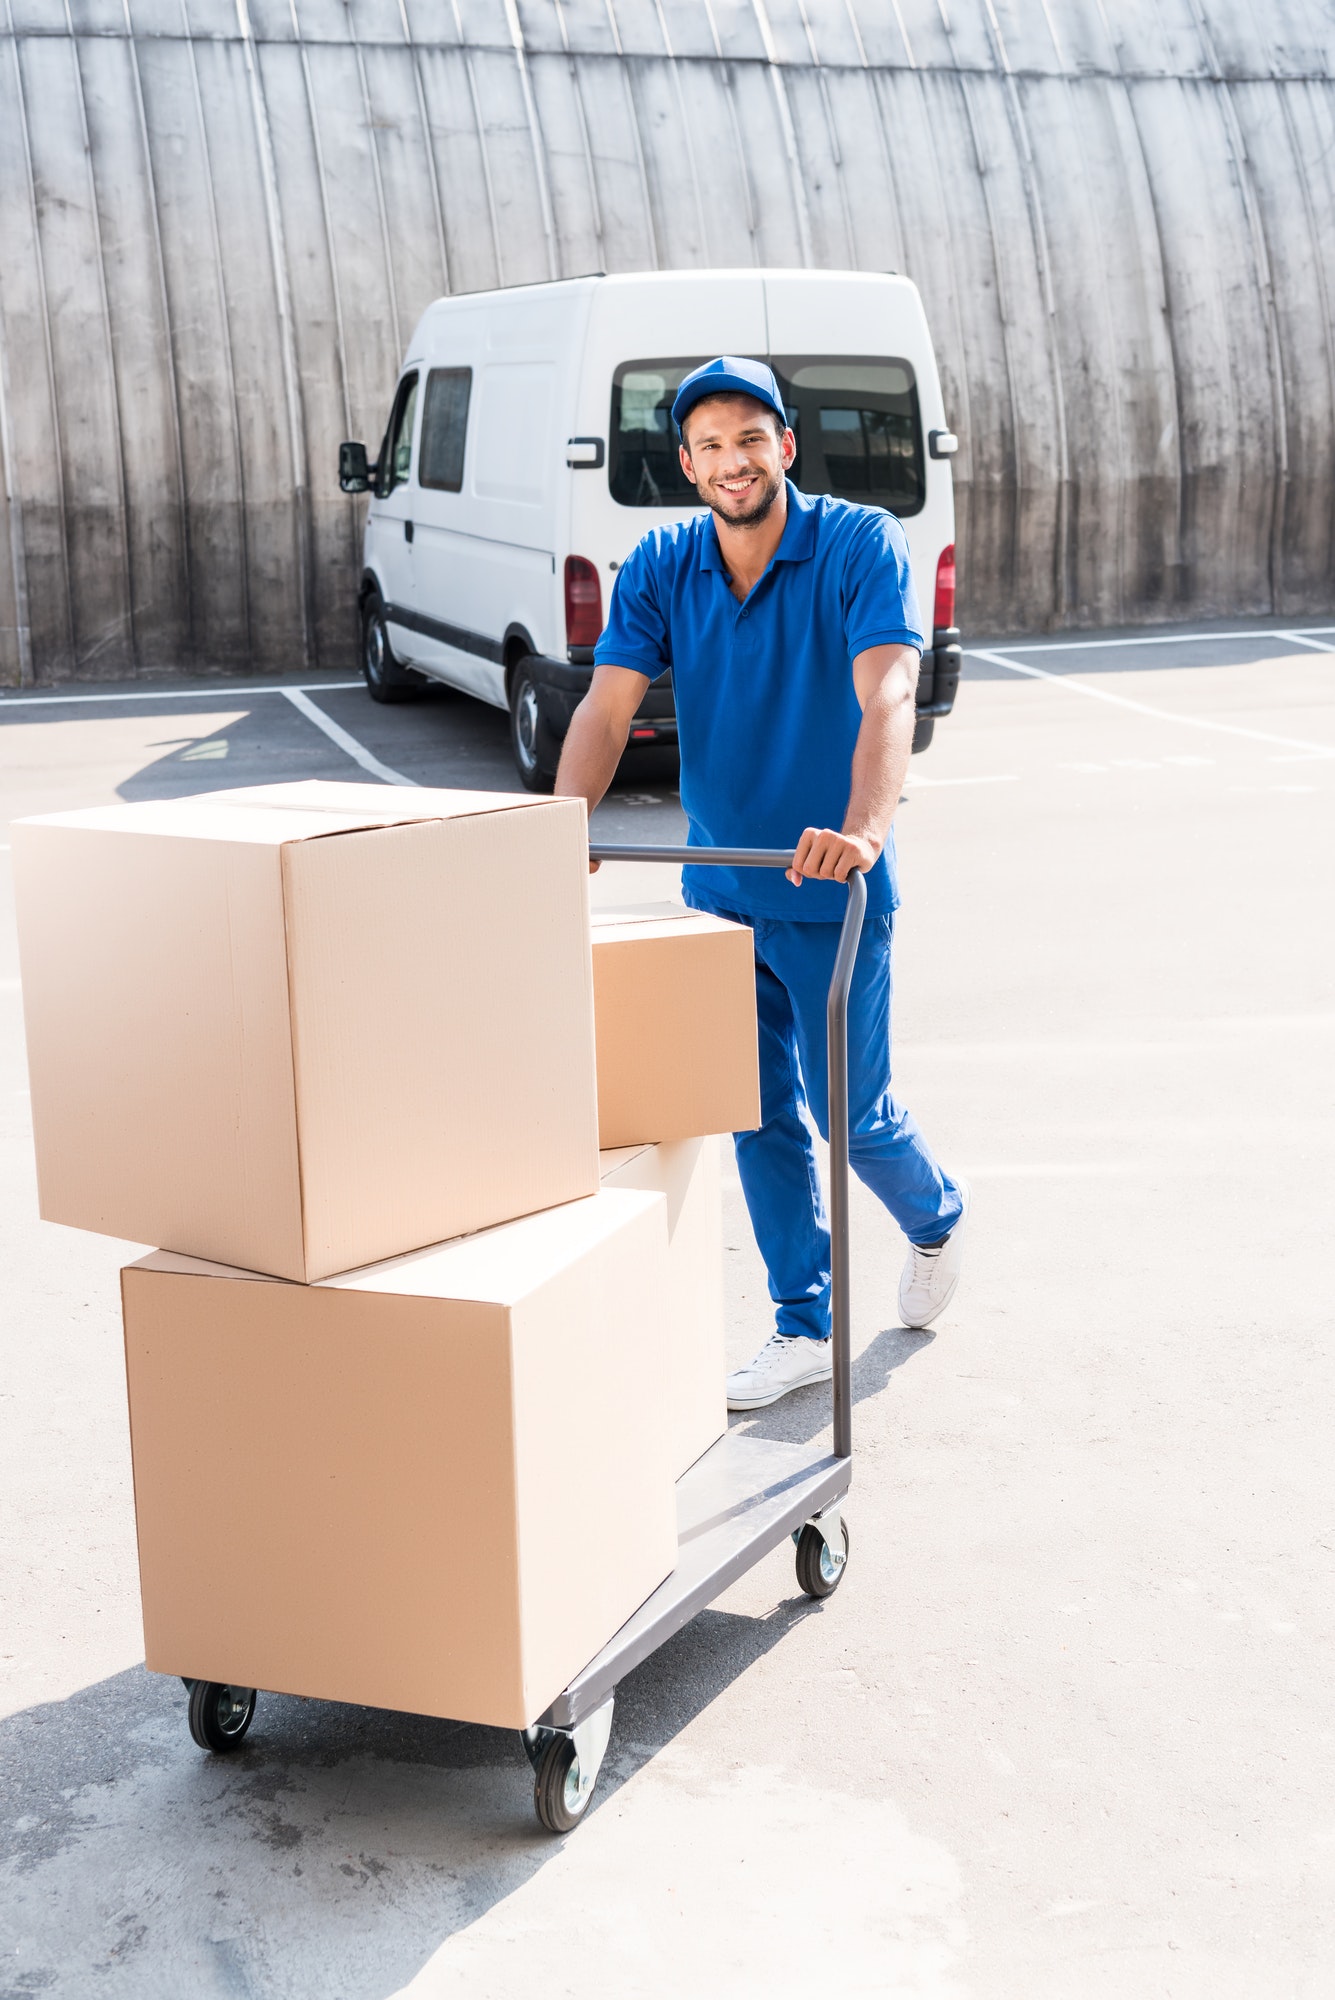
(354, 474)
(942, 444)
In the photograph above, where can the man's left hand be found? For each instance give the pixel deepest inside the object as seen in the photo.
(827, 856)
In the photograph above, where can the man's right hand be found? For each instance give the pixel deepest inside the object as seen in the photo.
(822, 855)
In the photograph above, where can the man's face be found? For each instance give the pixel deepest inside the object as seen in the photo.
(735, 457)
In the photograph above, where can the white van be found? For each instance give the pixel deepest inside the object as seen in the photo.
(530, 446)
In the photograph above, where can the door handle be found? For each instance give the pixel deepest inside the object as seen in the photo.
(407, 531)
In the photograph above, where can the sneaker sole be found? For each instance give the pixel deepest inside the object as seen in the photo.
(921, 1325)
(763, 1402)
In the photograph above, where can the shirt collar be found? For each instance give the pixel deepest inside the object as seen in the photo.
(797, 543)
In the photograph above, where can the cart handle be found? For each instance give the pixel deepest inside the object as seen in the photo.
(836, 1037)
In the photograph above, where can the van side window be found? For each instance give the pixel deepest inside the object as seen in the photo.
(440, 462)
(396, 453)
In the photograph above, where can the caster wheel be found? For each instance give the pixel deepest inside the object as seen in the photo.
(817, 1572)
(220, 1715)
(557, 1798)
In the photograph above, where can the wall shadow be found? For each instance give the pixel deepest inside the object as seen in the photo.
(445, 737)
(347, 1844)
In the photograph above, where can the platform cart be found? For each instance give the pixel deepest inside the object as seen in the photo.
(733, 1505)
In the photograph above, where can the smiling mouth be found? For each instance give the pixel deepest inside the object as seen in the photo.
(739, 485)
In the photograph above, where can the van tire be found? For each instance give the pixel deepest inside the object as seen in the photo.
(386, 678)
(535, 750)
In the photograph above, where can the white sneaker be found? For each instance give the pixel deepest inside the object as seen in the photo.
(786, 1361)
(930, 1276)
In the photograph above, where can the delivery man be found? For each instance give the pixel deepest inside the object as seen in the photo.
(792, 630)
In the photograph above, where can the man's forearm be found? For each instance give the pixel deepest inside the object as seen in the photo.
(590, 754)
(886, 678)
(880, 761)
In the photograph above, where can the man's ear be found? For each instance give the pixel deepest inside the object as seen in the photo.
(686, 466)
(788, 449)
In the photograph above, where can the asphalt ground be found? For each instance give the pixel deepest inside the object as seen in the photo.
(1066, 1728)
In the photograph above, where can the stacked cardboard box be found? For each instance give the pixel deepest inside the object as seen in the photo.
(409, 1334)
(690, 1370)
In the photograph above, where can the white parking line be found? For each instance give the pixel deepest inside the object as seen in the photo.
(357, 751)
(1052, 1170)
(1143, 708)
(170, 694)
(1303, 639)
(993, 778)
(1167, 639)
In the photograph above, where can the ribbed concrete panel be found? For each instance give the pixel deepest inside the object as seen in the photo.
(624, 221)
(1291, 171)
(197, 476)
(220, 219)
(91, 480)
(36, 604)
(259, 353)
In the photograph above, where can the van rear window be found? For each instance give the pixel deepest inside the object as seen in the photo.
(855, 419)
(642, 465)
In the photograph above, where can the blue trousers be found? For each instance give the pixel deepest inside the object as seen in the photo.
(777, 1163)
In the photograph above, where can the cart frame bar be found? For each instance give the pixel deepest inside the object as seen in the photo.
(747, 1494)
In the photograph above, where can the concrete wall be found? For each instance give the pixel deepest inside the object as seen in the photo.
(220, 218)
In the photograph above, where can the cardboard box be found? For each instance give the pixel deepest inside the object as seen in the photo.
(690, 1373)
(675, 1007)
(302, 1027)
(436, 1485)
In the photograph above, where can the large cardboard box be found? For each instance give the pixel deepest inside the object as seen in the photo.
(437, 1485)
(675, 1006)
(690, 1373)
(301, 1027)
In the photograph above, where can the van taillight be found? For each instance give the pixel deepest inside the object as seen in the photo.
(944, 614)
(584, 603)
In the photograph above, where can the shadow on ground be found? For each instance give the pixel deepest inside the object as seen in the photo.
(333, 1853)
(804, 1414)
(443, 738)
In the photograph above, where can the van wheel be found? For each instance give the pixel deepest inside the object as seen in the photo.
(386, 678)
(536, 751)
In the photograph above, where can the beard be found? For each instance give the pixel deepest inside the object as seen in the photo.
(766, 494)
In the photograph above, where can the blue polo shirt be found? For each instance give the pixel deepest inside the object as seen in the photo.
(767, 713)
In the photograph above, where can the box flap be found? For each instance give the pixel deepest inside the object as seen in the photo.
(640, 913)
(373, 805)
(656, 920)
(277, 814)
(198, 1267)
(500, 1266)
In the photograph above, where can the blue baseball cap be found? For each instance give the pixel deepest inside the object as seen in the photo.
(730, 375)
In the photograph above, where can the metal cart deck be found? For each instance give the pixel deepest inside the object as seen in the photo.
(733, 1505)
(746, 1494)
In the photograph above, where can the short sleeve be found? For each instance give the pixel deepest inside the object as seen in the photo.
(636, 634)
(880, 601)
